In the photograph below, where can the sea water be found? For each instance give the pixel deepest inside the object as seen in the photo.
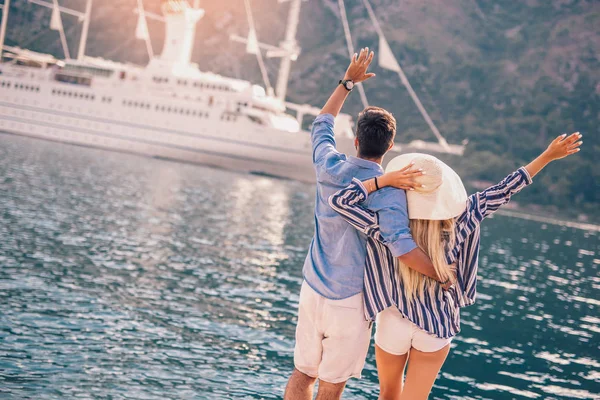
(123, 277)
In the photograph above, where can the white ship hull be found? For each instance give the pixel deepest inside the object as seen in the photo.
(31, 108)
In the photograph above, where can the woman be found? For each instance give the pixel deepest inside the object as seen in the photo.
(415, 314)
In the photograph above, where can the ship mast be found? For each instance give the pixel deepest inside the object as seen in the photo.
(4, 8)
(84, 30)
(81, 16)
(290, 48)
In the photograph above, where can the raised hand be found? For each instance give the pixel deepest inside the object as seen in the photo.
(563, 146)
(560, 147)
(357, 71)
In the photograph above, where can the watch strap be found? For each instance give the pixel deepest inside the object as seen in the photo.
(343, 83)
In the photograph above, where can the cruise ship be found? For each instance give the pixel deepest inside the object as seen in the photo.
(168, 109)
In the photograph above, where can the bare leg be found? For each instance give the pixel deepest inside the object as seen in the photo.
(299, 387)
(330, 391)
(423, 369)
(390, 369)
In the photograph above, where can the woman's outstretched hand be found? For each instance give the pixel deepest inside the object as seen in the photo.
(404, 178)
(563, 146)
(560, 147)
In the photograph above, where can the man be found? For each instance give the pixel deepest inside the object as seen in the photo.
(332, 335)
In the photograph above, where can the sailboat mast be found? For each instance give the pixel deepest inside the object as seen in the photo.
(5, 8)
(290, 46)
(84, 30)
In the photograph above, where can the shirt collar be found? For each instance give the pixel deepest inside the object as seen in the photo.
(365, 164)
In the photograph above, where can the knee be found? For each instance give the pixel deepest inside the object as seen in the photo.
(300, 386)
(390, 392)
(301, 378)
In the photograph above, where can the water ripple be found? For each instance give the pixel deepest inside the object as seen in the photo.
(130, 278)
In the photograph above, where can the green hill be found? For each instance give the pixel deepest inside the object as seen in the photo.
(505, 75)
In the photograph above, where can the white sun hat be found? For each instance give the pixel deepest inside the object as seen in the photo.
(443, 196)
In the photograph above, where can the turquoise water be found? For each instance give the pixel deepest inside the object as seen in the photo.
(124, 277)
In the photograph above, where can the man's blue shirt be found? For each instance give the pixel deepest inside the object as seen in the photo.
(335, 264)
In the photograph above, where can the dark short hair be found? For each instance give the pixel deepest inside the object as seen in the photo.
(376, 129)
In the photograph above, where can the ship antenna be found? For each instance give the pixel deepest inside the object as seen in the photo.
(4, 8)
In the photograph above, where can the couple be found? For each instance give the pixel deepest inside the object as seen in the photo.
(400, 248)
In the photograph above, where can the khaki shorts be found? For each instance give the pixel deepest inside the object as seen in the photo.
(396, 335)
(332, 336)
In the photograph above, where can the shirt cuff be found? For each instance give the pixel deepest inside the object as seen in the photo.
(402, 246)
(327, 118)
(523, 171)
(363, 190)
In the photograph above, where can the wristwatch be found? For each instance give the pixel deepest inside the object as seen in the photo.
(348, 84)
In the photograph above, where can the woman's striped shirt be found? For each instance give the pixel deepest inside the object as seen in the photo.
(437, 311)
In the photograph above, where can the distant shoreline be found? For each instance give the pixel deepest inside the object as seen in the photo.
(523, 214)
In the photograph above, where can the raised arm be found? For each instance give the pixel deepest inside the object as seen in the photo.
(322, 136)
(483, 204)
(356, 72)
(491, 199)
(560, 147)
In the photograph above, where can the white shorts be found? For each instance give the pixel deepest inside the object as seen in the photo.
(332, 336)
(396, 335)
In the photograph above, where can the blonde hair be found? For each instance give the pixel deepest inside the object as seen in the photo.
(434, 237)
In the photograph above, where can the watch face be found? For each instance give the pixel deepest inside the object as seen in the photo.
(349, 85)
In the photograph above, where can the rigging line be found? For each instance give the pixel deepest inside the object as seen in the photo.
(406, 83)
(142, 15)
(259, 58)
(344, 17)
(61, 31)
